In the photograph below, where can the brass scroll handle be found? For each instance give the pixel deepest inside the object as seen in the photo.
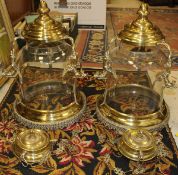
(9, 72)
(12, 70)
(108, 74)
(71, 67)
(73, 63)
(166, 75)
(107, 62)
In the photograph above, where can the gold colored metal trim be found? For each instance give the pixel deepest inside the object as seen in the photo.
(141, 32)
(47, 116)
(32, 146)
(122, 122)
(44, 28)
(50, 120)
(6, 61)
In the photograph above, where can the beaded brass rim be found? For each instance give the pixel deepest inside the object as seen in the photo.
(122, 122)
(50, 120)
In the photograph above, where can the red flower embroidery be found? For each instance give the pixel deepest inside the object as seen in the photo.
(8, 127)
(75, 151)
(81, 125)
(105, 150)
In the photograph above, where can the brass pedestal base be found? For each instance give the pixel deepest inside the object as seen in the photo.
(138, 145)
(52, 119)
(32, 146)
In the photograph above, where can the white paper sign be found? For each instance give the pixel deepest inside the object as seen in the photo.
(91, 13)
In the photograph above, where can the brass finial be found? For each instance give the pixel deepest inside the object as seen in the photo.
(143, 10)
(44, 28)
(43, 8)
(141, 32)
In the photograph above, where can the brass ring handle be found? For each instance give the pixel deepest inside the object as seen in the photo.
(24, 162)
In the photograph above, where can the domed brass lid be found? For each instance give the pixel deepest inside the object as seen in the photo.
(44, 28)
(141, 32)
(32, 140)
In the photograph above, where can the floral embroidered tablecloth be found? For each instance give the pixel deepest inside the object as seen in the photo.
(86, 147)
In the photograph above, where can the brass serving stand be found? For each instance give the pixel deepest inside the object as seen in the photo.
(135, 122)
(138, 145)
(46, 30)
(141, 32)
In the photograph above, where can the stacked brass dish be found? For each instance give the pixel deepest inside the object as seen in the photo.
(32, 146)
(138, 145)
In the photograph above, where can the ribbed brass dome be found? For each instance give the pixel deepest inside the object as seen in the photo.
(141, 32)
(44, 28)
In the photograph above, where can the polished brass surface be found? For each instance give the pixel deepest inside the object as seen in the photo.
(46, 116)
(44, 28)
(50, 119)
(138, 145)
(123, 121)
(141, 32)
(32, 140)
(31, 145)
(131, 121)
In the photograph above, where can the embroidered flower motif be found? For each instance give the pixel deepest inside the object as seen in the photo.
(4, 147)
(105, 150)
(82, 82)
(8, 127)
(81, 125)
(165, 171)
(76, 151)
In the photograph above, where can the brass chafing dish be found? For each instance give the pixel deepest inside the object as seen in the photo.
(138, 145)
(32, 146)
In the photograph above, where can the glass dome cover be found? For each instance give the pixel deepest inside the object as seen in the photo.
(136, 71)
